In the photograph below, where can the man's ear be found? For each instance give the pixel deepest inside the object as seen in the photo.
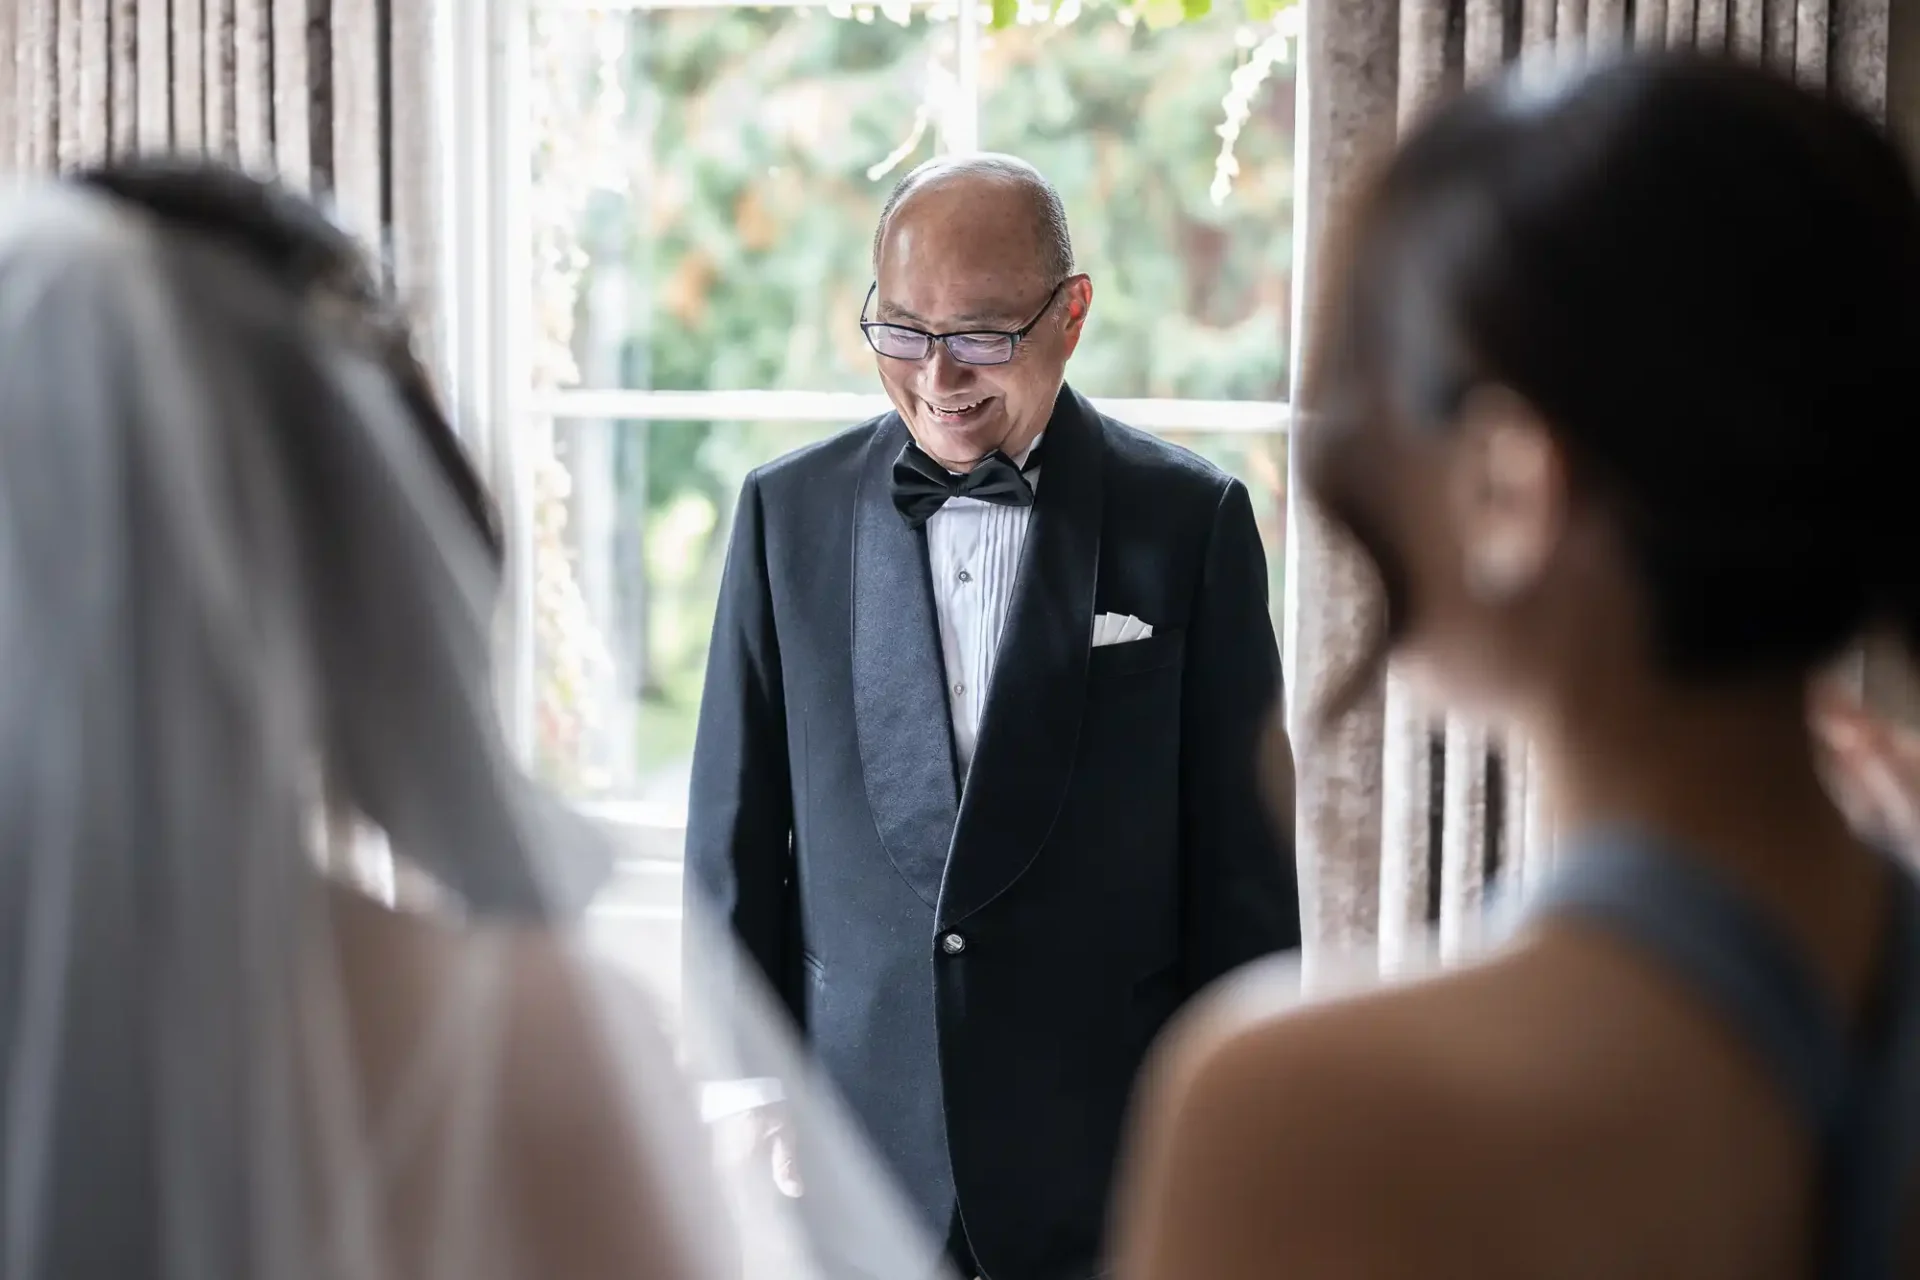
(1077, 298)
(1507, 493)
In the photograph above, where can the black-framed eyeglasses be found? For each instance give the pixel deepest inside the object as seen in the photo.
(976, 346)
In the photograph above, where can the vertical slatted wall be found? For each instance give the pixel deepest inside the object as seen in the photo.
(331, 95)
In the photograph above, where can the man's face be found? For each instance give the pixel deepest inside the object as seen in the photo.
(963, 257)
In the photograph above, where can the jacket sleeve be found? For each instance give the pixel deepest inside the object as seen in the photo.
(739, 859)
(1241, 898)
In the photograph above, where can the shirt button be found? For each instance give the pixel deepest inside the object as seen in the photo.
(959, 691)
(965, 576)
(953, 944)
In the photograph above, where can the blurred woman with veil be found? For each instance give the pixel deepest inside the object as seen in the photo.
(1615, 391)
(243, 566)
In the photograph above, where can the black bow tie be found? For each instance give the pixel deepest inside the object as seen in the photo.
(922, 486)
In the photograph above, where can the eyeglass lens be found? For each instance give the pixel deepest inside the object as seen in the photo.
(968, 348)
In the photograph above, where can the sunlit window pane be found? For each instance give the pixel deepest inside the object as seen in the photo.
(635, 540)
(742, 161)
(1191, 298)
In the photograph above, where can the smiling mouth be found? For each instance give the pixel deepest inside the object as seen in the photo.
(956, 411)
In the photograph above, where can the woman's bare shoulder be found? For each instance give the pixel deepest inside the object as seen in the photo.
(1253, 1034)
(595, 1128)
(563, 1030)
(1276, 1130)
(606, 1144)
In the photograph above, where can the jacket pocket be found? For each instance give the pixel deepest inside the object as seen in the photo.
(1136, 657)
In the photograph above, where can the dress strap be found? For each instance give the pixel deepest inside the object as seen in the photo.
(1875, 1157)
(1675, 909)
(1859, 1098)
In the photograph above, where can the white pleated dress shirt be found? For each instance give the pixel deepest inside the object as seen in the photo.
(973, 555)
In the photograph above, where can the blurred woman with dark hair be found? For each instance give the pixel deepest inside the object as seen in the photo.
(1615, 392)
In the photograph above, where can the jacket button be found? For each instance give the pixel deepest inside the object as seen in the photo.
(953, 944)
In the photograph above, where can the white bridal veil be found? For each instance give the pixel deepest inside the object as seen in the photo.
(228, 571)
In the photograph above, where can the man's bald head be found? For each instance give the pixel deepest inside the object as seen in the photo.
(974, 246)
(989, 174)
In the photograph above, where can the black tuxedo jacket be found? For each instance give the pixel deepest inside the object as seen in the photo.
(981, 967)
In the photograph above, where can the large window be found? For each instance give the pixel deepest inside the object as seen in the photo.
(704, 182)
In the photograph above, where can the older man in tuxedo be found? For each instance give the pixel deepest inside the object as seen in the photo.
(975, 779)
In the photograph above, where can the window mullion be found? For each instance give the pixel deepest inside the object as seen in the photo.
(1230, 417)
(964, 120)
(488, 272)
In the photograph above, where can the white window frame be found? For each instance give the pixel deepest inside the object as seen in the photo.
(1224, 417)
(483, 67)
(486, 280)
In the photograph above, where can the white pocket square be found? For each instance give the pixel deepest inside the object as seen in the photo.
(1119, 628)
